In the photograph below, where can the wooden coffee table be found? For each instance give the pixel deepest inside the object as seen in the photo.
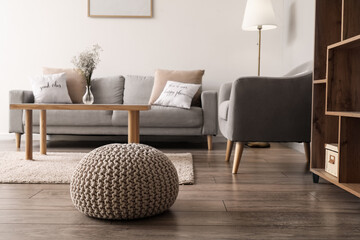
(133, 120)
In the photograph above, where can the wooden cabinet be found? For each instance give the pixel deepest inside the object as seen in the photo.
(336, 91)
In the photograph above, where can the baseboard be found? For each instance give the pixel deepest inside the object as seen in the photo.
(7, 136)
(296, 146)
(216, 139)
(11, 136)
(36, 137)
(219, 139)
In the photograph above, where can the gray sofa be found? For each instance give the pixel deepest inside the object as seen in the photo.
(162, 121)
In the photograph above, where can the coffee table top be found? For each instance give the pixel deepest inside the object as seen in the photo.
(45, 106)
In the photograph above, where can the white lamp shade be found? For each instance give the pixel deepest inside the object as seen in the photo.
(259, 13)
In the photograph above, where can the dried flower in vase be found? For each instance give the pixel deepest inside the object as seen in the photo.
(87, 61)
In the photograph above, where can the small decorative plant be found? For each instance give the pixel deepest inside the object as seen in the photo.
(86, 63)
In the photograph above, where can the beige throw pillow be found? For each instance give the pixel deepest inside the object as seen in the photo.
(75, 82)
(162, 76)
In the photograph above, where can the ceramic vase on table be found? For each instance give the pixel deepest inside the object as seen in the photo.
(88, 98)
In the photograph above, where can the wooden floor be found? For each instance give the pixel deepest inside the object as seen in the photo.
(272, 197)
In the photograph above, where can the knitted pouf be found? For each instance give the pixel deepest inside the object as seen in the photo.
(124, 181)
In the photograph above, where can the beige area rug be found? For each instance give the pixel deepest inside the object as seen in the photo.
(57, 167)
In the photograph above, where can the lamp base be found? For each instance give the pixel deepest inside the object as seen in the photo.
(258, 144)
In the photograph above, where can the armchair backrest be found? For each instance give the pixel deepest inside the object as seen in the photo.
(270, 109)
(306, 67)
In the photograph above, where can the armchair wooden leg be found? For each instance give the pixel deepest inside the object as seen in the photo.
(229, 147)
(18, 140)
(209, 142)
(239, 147)
(307, 152)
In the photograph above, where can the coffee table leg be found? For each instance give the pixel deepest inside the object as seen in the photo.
(133, 127)
(137, 129)
(28, 135)
(43, 132)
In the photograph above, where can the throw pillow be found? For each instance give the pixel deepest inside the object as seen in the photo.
(133, 84)
(74, 80)
(176, 94)
(162, 76)
(50, 88)
(108, 90)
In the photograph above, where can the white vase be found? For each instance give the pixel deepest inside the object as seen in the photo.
(88, 98)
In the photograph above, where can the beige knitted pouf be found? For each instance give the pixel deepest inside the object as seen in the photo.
(124, 181)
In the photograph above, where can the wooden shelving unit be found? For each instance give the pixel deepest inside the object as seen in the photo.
(336, 91)
(320, 81)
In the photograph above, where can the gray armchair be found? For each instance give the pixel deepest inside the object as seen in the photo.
(265, 109)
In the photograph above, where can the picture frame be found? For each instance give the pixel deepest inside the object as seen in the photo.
(120, 8)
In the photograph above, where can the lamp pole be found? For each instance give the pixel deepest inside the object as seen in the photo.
(259, 28)
(259, 144)
(259, 15)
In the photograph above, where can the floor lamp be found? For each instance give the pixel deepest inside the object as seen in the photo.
(259, 15)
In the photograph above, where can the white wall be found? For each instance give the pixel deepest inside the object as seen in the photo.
(183, 34)
(298, 42)
(298, 33)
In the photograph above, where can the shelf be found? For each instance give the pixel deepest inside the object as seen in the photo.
(351, 20)
(319, 81)
(327, 176)
(343, 114)
(349, 152)
(347, 44)
(324, 127)
(343, 85)
(327, 31)
(353, 188)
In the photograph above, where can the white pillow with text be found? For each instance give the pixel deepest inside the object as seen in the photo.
(177, 94)
(50, 88)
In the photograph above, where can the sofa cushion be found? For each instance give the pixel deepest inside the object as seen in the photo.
(162, 76)
(224, 109)
(50, 88)
(75, 118)
(163, 117)
(108, 90)
(133, 85)
(74, 80)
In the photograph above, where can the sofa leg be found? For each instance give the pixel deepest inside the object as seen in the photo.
(18, 140)
(229, 147)
(209, 142)
(239, 147)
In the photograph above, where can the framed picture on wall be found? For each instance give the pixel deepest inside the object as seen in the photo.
(120, 8)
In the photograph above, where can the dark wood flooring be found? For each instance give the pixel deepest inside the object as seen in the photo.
(272, 197)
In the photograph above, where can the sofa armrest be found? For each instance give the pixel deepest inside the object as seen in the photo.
(210, 111)
(16, 116)
(224, 93)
